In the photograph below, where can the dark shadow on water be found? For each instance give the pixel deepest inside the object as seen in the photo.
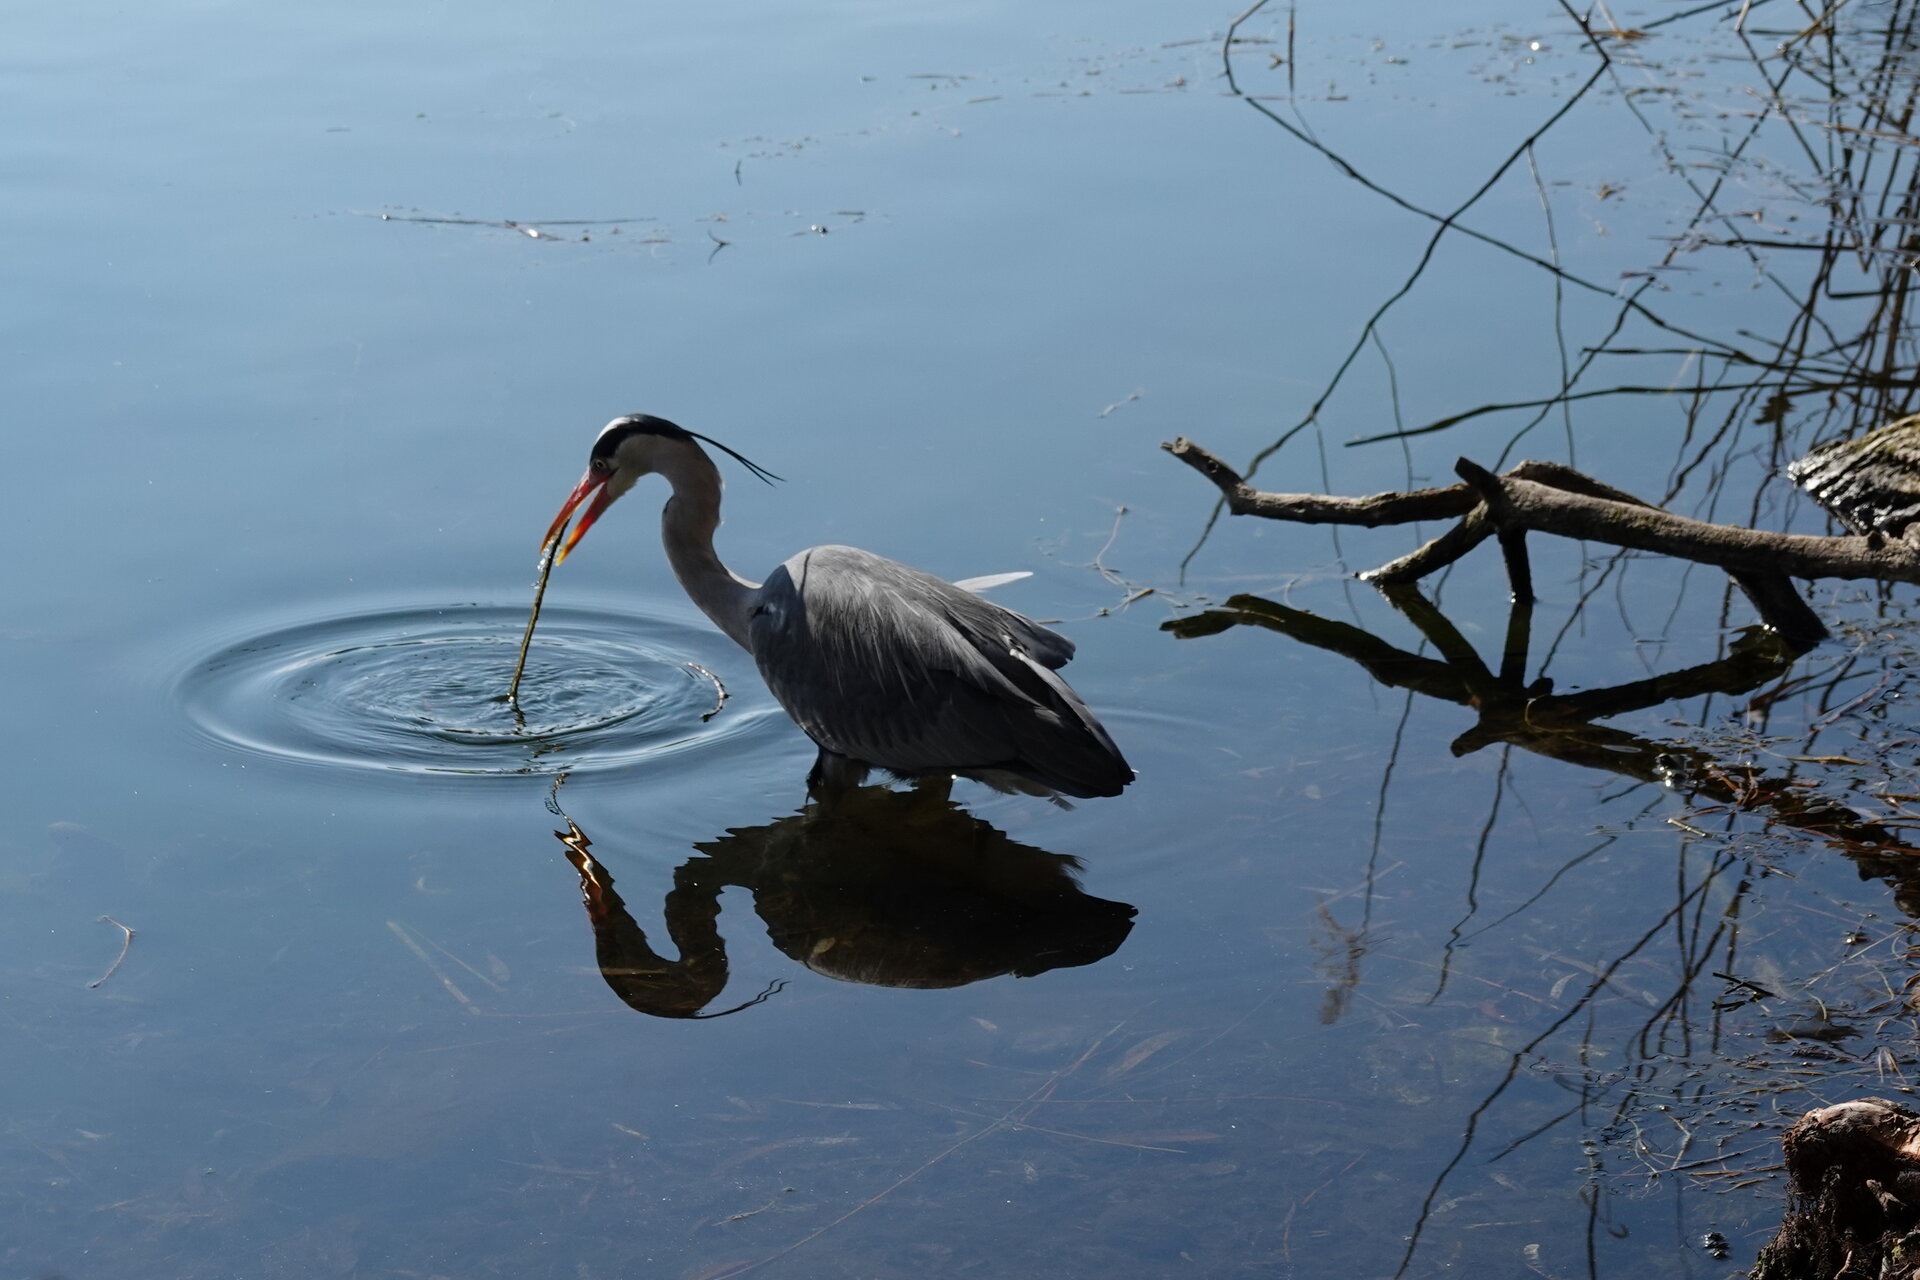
(887, 888)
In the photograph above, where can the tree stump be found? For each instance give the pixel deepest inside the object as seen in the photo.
(1854, 1212)
(1872, 482)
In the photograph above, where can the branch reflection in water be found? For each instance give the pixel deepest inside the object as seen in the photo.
(1531, 716)
(889, 888)
(1674, 1048)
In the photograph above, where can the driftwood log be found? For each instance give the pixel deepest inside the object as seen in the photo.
(1547, 497)
(1854, 1212)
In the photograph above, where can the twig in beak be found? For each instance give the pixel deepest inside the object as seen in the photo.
(539, 592)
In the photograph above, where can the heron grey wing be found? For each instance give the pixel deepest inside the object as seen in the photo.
(895, 667)
(987, 625)
(982, 618)
(1062, 744)
(863, 667)
(990, 627)
(1048, 647)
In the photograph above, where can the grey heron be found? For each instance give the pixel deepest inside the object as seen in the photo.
(883, 666)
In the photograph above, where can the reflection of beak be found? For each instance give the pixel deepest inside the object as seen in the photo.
(593, 480)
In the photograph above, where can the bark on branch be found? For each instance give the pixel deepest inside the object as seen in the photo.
(1514, 502)
(1552, 498)
(1547, 497)
(1311, 508)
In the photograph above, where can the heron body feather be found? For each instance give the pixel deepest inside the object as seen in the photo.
(884, 664)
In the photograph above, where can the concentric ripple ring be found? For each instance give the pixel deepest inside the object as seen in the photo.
(422, 690)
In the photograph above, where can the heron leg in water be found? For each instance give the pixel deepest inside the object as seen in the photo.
(937, 787)
(834, 774)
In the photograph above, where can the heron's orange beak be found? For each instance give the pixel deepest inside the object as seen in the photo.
(592, 482)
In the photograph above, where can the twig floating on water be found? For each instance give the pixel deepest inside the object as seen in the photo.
(523, 225)
(737, 1217)
(126, 944)
(718, 687)
(1119, 514)
(400, 931)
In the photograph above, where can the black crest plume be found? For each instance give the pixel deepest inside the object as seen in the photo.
(635, 424)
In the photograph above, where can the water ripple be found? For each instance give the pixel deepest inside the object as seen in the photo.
(422, 690)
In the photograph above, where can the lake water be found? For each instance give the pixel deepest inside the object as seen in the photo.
(314, 314)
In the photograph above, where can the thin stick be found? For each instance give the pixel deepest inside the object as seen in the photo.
(738, 1217)
(126, 944)
(526, 641)
(1066, 1133)
(718, 688)
(1118, 515)
(400, 931)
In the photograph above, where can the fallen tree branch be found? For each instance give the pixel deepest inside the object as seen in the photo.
(1309, 508)
(1456, 542)
(1547, 497)
(1516, 502)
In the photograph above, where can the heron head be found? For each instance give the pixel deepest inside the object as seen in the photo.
(626, 449)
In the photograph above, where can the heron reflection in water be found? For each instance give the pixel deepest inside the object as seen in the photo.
(889, 888)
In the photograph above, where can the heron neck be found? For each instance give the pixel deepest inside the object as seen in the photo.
(686, 529)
